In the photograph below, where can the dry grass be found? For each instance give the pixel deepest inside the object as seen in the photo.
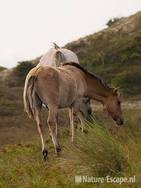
(105, 150)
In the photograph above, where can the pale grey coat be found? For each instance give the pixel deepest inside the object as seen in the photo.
(56, 56)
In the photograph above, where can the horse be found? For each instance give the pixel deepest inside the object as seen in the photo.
(63, 87)
(56, 57)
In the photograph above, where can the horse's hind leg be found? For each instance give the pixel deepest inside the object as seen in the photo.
(71, 116)
(40, 131)
(73, 111)
(82, 122)
(53, 128)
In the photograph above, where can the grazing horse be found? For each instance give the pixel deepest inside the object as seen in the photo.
(56, 57)
(63, 87)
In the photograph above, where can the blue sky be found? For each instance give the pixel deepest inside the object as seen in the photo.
(28, 27)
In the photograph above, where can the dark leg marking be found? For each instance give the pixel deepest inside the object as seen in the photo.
(45, 154)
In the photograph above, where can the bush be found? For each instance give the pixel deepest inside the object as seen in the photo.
(129, 82)
(22, 69)
(2, 68)
(112, 21)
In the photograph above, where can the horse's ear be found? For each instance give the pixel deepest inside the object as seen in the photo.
(115, 91)
(59, 56)
(55, 46)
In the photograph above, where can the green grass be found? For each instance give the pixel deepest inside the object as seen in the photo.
(104, 150)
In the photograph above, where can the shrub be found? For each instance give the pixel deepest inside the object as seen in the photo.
(129, 82)
(22, 69)
(112, 21)
(2, 68)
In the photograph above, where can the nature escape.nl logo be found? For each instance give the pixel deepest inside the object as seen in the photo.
(107, 179)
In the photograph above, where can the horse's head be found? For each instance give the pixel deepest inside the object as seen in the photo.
(113, 107)
(85, 108)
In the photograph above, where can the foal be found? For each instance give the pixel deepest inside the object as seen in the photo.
(56, 57)
(65, 87)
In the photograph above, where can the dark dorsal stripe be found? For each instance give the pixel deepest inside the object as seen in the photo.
(88, 73)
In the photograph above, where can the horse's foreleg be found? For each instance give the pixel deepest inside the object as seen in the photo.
(40, 131)
(71, 116)
(53, 128)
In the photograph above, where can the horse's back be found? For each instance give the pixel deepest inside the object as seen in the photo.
(49, 58)
(54, 76)
(55, 86)
(69, 55)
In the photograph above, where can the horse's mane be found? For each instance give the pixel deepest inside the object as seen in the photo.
(88, 73)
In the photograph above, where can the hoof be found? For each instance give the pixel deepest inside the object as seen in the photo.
(58, 149)
(45, 154)
(85, 131)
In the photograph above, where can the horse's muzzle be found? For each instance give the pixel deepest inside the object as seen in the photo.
(90, 111)
(119, 121)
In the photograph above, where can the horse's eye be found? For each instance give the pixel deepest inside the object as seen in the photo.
(119, 103)
(86, 100)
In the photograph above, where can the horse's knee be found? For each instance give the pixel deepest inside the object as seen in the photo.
(51, 122)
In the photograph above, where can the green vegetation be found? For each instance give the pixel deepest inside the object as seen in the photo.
(114, 52)
(112, 21)
(2, 68)
(126, 80)
(104, 150)
(22, 69)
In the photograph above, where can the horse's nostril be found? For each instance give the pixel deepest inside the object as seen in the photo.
(90, 111)
(120, 121)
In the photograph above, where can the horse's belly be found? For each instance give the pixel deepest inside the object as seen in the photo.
(66, 98)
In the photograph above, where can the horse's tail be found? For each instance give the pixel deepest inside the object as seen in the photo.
(32, 102)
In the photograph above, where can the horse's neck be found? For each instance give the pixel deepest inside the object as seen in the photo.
(97, 90)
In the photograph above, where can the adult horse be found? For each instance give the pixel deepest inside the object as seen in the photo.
(64, 87)
(56, 57)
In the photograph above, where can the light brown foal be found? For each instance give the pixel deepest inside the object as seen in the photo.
(65, 87)
(56, 57)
